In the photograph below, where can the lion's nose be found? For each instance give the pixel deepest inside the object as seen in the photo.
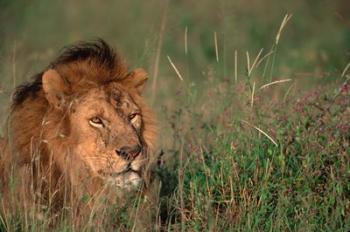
(129, 153)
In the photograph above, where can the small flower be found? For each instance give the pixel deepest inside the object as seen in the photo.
(344, 88)
(233, 146)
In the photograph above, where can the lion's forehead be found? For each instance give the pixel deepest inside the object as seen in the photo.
(121, 100)
(115, 99)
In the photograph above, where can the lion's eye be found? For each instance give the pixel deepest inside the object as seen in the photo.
(132, 116)
(96, 122)
(134, 119)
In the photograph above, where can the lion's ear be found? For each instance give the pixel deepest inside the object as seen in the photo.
(54, 88)
(136, 79)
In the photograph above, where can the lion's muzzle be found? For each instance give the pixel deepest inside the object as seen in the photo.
(129, 152)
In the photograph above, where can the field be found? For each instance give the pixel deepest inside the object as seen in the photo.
(252, 100)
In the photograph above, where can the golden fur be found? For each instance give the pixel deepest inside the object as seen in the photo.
(50, 145)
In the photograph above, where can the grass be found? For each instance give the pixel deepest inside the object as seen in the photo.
(252, 139)
(243, 181)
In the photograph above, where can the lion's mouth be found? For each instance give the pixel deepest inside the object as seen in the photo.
(126, 179)
(107, 174)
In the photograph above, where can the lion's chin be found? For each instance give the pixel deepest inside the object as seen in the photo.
(127, 181)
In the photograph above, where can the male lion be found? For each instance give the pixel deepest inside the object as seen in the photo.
(77, 127)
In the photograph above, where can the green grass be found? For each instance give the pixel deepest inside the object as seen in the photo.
(241, 181)
(218, 171)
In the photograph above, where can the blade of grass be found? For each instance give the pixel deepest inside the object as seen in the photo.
(185, 38)
(274, 82)
(174, 67)
(158, 52)
(236, 67)
(14, 64)
(288, 91)
(251, 68)
(248, 62)
(216, 47)
(252, 98)
(261, 131)
(285, 20)
(345, 70)
(264, 57)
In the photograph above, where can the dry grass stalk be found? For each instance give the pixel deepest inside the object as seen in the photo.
(174, 67)
(14, 63)
(216, 47)
(345, 70)
(261, 131)
(186, 39)
(236, 66)
(285, 20)
(158, 51)
(264, 57)
(274, 82)
(288, 91)
(252, 98)
(251, 68)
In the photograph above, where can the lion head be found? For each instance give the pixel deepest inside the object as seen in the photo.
(85, 121)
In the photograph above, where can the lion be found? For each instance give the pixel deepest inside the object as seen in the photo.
(79, 126)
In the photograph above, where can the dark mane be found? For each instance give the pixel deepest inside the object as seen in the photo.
(98, 51)
(28, 89)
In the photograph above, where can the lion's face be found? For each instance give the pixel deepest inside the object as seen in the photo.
(107, 126)
(109, 133)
